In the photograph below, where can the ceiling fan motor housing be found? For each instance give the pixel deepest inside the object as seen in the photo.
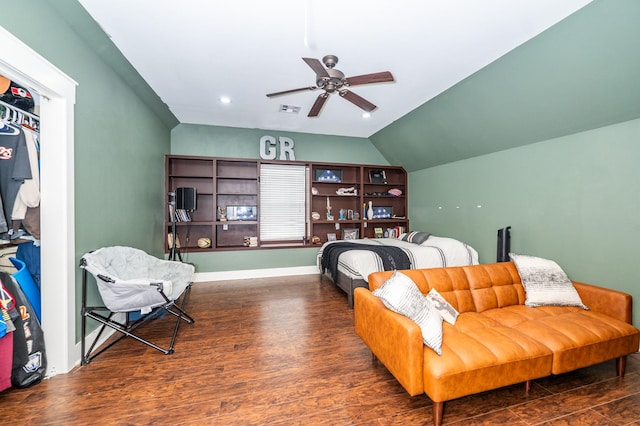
(332, 83)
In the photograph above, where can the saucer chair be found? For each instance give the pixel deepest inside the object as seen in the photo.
(139, 287)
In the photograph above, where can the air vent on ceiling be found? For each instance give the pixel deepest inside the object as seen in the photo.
(289, 109)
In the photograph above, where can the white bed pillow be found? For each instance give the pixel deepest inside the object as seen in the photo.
(545, 283)
(400, 294)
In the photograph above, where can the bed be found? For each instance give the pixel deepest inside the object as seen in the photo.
(422, 250)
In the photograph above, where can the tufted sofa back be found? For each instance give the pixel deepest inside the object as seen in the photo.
(474, 288)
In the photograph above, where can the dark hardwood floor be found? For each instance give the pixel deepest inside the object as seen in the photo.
(282, 351)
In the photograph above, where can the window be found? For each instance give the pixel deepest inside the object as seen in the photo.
(282, 202)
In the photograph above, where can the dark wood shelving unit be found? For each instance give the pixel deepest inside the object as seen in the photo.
(358, 177)
(225, 182)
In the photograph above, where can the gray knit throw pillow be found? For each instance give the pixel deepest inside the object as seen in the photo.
(545, 283)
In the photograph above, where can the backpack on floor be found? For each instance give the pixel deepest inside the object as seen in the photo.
(29, 357)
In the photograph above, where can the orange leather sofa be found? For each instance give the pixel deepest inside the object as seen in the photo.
(496, 341)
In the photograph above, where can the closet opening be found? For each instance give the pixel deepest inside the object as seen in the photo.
(20, 63)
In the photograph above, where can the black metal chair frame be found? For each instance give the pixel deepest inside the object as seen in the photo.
(127, 328)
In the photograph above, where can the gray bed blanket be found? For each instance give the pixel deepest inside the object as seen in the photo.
(392, 257)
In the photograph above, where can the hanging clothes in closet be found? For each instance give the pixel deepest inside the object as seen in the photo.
(20, 175)
(20, 226)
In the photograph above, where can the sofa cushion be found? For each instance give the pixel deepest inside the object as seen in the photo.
(545, 283)
(494, 285)
(577, 338)
(400, 294)
(479, 354)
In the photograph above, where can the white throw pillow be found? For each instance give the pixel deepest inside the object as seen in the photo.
(545, 283)
(446, 310)
(400, 294)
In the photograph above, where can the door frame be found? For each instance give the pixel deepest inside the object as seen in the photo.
(58, 95)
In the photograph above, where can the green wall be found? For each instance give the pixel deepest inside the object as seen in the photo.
(120, 140)
(231, 142)
(580, 74)
(573, 199)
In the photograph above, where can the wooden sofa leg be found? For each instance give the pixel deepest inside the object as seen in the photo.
(621, 366)
(438, 410)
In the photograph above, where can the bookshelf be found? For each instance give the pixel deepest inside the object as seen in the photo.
(228, 191)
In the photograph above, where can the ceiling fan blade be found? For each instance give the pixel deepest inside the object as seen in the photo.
(317, 67)
(318, 104)
(286, 92)
(376, 77)
(357, 100)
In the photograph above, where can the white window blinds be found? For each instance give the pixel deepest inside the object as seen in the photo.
(282, 202)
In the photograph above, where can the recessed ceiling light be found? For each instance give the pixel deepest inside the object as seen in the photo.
(225, 100)
(366, 115)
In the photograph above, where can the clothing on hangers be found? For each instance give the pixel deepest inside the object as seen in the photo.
(29, 193)
(14, 168)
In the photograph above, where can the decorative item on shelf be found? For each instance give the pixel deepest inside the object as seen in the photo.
(204, 242)
(315, 240)
(350, 234)
(377, 176)
(315, 215)
(349, 214)
(352, 191)
(331, 237)
(329, 175)
(315, 191)
(250, 241)
(242, 212)
(382, 212)
(378, 233)
(343, 213)
(222, 216)
(356, 216)
(370, 211)
(329, 217)
(395, 192)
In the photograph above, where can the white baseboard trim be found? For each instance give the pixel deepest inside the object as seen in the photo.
(254, 273)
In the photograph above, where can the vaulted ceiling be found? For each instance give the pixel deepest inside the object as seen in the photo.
(194, 52)
(471, 77)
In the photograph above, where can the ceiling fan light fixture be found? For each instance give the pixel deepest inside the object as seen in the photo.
(366, 115)
(225, 100)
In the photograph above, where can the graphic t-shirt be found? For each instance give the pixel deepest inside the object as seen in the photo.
(14, 166)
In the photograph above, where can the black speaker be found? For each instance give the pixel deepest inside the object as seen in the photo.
(186, 198)
(504, 244)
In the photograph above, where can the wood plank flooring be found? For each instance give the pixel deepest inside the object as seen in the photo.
(282, 351)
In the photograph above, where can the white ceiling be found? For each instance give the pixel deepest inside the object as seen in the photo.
(192, 52)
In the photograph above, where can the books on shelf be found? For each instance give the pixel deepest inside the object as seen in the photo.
(394, 232)
(178, 215)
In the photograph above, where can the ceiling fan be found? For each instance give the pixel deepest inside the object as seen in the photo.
(332, 80)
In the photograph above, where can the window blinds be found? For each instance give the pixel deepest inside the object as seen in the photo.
(282, 202)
